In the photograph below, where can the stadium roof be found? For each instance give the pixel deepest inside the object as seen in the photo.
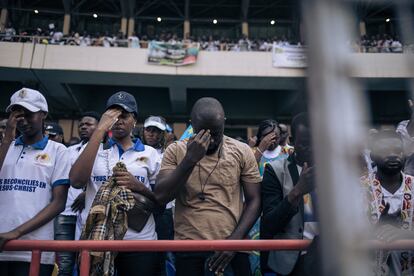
(231, 10)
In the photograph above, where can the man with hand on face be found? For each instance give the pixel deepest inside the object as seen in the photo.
(208, 175)
(288, 203)
(267, 144)
(389, 191)
(34, 182)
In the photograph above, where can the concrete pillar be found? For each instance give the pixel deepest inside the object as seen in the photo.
(250, 132)
(186, 28)
(362, 28)
(124, 23)
(66, 24)
(245, 28)
(68, 129)
(3, 19)
(131, 26)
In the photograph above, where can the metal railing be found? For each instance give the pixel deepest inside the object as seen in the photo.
(84, 247)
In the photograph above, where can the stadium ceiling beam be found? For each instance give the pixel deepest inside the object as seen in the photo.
(245, 9)
(389, 5)
(73, 97)
(266, 8)
(210, 7)
(228, 5)
(113, 5)
(187, 10)
(176, 8)
(33, 3)
(132, 7)
(66, 6)
(146, 6)
(79, 5)
(3, 3)
(124, 8)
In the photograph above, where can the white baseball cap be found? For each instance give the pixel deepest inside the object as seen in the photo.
(30, 99)
(155, 121)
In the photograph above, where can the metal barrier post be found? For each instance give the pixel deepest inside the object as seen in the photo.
(35, 263)
(85, 263)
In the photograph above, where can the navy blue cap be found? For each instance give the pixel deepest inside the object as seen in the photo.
(53, 129)
(124, 100)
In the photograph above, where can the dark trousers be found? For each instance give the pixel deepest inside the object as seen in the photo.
(137, 263)
(164, 226)
(194, 263)
(65, 230)
(22, 269)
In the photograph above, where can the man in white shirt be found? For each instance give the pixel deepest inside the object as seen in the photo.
(133, 41)
(33, 182)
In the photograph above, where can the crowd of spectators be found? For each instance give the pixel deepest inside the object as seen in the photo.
(380, 44)
(375, 44)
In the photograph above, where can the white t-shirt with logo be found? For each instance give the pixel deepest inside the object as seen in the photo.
(27, 179)
(141, 161)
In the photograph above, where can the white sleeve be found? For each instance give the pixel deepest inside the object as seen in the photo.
(60, 175)
(155, 164)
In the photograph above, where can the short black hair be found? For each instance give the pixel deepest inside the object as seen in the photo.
(92, 114)
(385, 134)
(299, 119)
(262, 126)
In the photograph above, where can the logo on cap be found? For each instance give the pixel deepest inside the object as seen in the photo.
(22, 93)
(121, 96)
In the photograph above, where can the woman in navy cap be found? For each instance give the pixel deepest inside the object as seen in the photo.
(94, 167)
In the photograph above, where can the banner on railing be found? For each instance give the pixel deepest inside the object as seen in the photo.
(289, 56)
(172, 54)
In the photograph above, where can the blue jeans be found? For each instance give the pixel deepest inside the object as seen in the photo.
(65, 230)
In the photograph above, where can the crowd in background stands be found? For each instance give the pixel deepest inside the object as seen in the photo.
(375, 44)
(380, 44)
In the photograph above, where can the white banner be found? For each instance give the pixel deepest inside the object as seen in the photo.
(289, 56)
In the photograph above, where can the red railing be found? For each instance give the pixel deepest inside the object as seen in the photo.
(85, 247)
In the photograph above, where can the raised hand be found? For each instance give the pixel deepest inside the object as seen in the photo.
(197, 146)
(14, 118)
(219, 261)
(387, 218)
(7, 236)
(306, 183)
(79, 203)
(127, 180)
(267, 141)
(109, 118)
